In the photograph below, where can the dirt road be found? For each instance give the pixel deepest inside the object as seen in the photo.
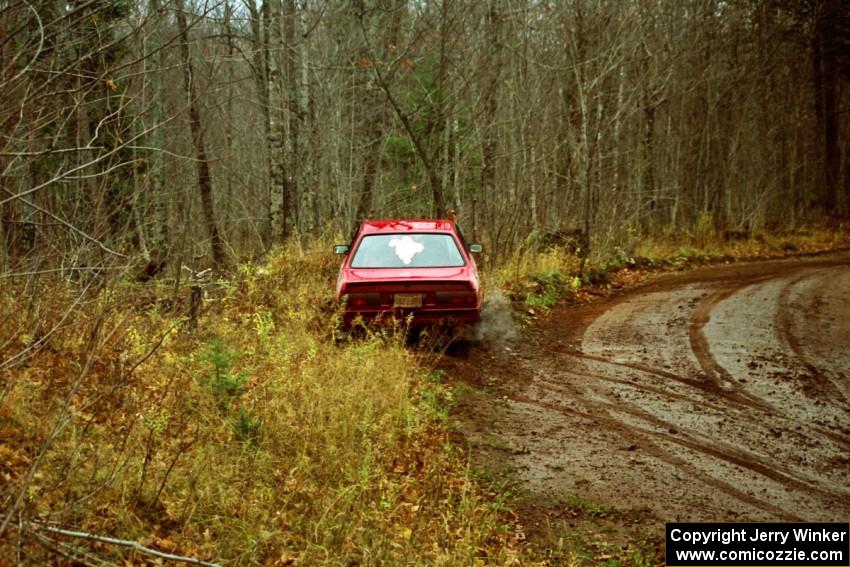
(718, 394)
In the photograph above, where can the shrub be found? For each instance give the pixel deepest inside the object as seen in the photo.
(322, 453)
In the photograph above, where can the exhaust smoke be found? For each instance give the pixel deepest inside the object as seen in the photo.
(497, 320)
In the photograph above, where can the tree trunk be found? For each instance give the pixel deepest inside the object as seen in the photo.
(259, 60)
(156, 170)
(825, 84)
(279, 201)
(372, 156)
(296, 112)
(490, 106)
(373, 113)
(8, 225)
(204, 178)
(231, 79)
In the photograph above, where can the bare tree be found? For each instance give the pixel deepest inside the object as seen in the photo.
(204, 178)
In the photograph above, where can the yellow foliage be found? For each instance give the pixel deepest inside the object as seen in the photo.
(255, 438)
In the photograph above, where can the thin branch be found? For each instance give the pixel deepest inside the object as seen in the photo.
(9, 361)
(61, 422)
(69, 551)
(37, 53)
(64, 175)
(155, 347)
(67, 269)
(71, 227)
(49, 151)
(122, 542)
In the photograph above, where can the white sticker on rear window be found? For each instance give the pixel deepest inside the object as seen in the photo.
(406, 248)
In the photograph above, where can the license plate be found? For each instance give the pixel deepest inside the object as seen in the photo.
(407, 300)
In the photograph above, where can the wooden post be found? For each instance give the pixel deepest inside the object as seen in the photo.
(196, 296)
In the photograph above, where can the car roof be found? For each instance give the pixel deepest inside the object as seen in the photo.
(407, 225)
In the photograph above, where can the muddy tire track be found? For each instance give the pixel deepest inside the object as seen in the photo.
(643, 438)
(718, 394)
(820, 383)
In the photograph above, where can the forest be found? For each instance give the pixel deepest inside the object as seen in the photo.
(173, 174)
(206, 133)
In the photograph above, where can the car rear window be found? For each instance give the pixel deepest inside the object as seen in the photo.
(407, 251)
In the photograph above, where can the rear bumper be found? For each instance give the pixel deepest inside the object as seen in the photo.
(421, 317)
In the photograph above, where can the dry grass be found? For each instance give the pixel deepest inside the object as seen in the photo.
(257, 438)
(801, 240)
(537, 280)
(261, 436)
(529, 261)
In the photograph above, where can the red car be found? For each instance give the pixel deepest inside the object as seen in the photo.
(398, 268)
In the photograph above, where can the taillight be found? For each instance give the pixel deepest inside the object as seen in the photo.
(459, 298)
(364, 299)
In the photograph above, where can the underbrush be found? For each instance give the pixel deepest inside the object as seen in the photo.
(253, 435)
(536, 280)
(731, 245)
